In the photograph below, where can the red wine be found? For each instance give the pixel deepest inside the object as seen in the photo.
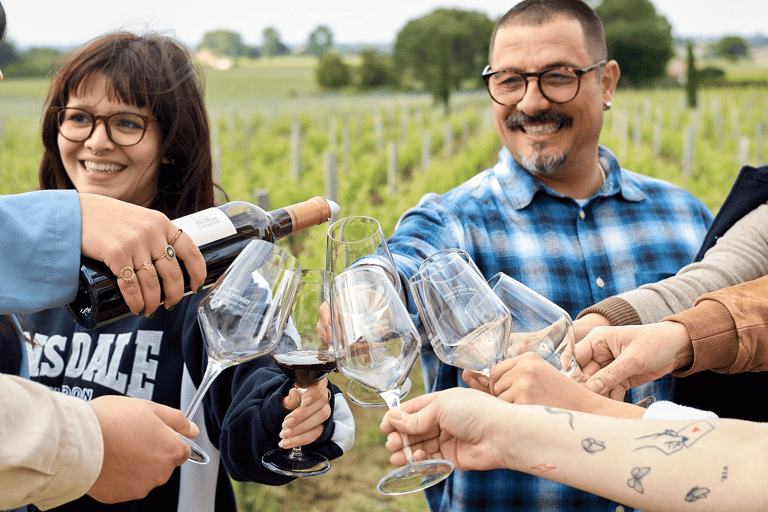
(221, 233)
(305, 367)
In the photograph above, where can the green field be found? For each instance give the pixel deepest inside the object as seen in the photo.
(253, 108)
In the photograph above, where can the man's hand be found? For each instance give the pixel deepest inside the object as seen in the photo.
(126, 235)
(616, 359)
(141, 446)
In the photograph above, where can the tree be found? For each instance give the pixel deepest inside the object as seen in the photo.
(375, 70)
(638, 38)
(8, 53)
(732, 48)
(444, 48)
(692, 79)
(320, 42)
(332, 72)
(223, 43)
(272, 44)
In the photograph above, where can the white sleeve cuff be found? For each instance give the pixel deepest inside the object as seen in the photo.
(671, 411)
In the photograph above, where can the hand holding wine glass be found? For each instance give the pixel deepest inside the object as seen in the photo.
(306, 357)
(377, 344)
(244, 313)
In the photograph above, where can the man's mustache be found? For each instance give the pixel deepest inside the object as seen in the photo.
(519, 118)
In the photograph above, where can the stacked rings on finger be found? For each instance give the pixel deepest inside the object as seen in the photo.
(176, 237)
(169, 251)
(127, 270)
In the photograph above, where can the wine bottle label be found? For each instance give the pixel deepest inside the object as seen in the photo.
(206, 226)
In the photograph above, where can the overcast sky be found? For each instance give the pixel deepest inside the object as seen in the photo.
(70, 23)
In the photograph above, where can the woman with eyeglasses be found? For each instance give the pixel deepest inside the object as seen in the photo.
(125, 118)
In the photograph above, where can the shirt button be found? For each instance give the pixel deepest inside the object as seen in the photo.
(619, 509)
(582, 214)
(599, 281)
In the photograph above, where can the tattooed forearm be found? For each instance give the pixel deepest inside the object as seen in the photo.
(560, 411)
(592, 445)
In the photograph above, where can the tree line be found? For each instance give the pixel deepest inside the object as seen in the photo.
(441, 52)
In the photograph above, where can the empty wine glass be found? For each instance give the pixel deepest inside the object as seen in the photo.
(305, 356)
(244, 313)
(467, 323)
(377, 344)
(349, 240)
(537, 325)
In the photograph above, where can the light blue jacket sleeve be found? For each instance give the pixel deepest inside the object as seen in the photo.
(39, 250)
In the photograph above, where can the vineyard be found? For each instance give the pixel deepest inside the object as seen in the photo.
(377, 155)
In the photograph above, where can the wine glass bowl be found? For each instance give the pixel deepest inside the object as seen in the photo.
(467, 323)
(537, 325)
(245, 311)
(306, 355)
(355, 241)
(377, 344)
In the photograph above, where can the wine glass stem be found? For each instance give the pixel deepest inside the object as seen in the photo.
(212, 370)
(392, 398)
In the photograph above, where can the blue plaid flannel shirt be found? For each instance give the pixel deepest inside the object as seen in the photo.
(634, 230)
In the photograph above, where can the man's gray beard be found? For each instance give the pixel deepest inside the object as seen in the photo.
(539, 165)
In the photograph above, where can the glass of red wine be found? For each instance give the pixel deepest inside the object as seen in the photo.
(305, 354)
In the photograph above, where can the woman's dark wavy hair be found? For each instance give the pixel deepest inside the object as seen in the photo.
(147, 71)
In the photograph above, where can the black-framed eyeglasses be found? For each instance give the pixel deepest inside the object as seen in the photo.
(558, 85)
(123, 128)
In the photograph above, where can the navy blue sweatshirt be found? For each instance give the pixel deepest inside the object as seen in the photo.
(163, 359)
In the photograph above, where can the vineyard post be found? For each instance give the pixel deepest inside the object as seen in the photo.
(392, 168)
(637, 130)
(735, 123)
(295, 148)
(378, 130)
(759, 145)
(331, 183)
(404, 120)
(688, 139)
(426, 150)
(261, 198)
(657, 137)
(447, 138)
(247, 149)
(743, 151)
(346, 145)
(332, 129)
(622, 122)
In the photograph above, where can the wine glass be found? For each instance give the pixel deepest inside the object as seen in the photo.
(538, 325)
(349, 240)
(244, 313)
(467, 323)
(305, 355)
(377, 344)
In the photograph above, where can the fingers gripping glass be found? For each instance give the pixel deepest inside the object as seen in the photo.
(557, 85)
(123, 128)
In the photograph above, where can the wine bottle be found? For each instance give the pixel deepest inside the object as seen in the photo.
(221, 233)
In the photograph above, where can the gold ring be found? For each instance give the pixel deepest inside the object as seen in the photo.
(175, 238)
(169, 252)
(131, 274)
(147, 266)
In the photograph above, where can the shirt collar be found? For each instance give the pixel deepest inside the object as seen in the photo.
(520, 187)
